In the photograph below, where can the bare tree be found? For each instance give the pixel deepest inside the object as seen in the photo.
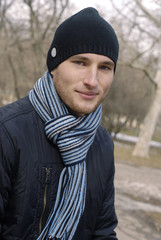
(27, 30)
(142, 27)
(150, 121)
(42, 24)
(4, 8)
(127, 101)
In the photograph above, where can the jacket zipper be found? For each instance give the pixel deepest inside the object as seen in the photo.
(47, 172)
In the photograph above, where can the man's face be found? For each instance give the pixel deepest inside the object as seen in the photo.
(83, 81)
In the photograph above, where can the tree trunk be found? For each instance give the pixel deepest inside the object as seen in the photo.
(16, 88)
(147, 128)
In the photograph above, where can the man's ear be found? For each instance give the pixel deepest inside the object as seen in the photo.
(52, 73)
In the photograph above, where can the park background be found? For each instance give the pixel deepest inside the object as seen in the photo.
(132, 110)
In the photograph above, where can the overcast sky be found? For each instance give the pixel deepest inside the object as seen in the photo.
(105, 4)
(91, 3)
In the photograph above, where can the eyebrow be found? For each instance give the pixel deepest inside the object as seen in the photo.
(79, 57)
(108, 63)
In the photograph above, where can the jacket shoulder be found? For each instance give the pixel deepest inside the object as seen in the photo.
(15, 109)
(103, 136)
(101, 152)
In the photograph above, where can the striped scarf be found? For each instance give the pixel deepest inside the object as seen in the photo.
(73, 136)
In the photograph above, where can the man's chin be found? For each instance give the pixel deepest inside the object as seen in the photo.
(79, 112)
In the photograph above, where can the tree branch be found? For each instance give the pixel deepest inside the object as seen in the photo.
(147, 13)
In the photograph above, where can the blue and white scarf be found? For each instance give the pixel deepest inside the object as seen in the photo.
(73, 136)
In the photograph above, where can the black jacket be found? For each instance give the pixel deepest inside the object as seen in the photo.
(30, 166)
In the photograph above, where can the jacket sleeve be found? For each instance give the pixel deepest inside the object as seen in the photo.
(107, 219)
(6, 159)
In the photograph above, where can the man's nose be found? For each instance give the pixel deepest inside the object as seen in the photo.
(91, 77)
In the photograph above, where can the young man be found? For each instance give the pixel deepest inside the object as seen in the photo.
(56, 161)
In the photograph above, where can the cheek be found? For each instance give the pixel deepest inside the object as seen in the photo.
(61, 88)
(58, 80)
(58, 85)
(106, 87)
(62, 79)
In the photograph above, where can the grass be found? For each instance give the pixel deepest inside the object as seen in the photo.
(155, 218)
(123, 152)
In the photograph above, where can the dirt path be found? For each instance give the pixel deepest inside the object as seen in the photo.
(138, 202)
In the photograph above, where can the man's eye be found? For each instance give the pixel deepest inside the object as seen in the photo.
(105, 67)
(79, 63)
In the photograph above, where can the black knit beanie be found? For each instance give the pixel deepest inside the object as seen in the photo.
(84, 32)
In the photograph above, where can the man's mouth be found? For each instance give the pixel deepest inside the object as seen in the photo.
(88, 95)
